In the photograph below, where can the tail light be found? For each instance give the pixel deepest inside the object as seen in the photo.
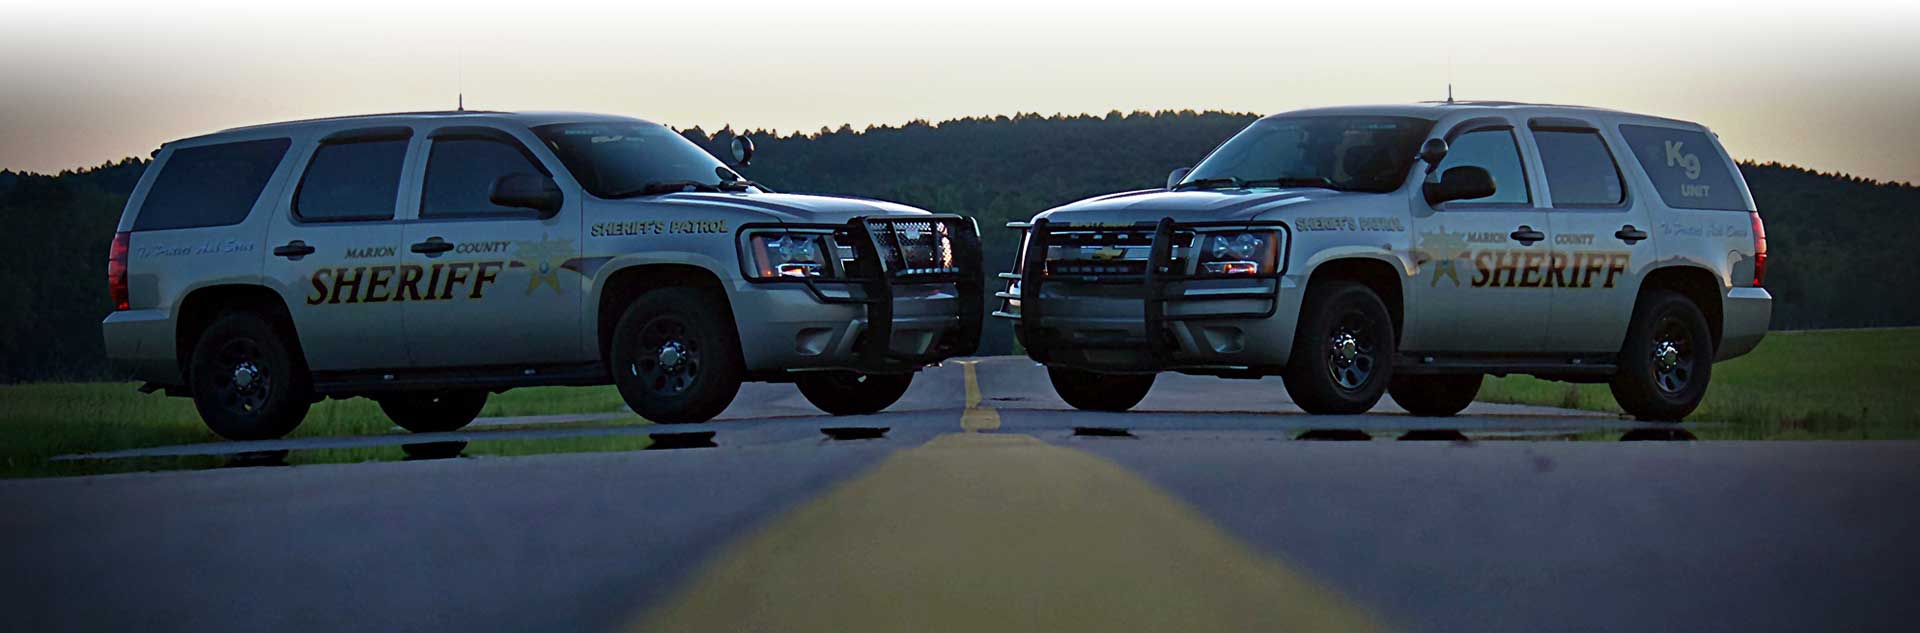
(1759, 251)
(117, 270)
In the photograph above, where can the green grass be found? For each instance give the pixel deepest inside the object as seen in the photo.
(1796, 385)
(38, 421)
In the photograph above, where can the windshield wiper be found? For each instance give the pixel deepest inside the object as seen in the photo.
(1294, 181)
(1209, 183)
(673, 186)
(741, 184)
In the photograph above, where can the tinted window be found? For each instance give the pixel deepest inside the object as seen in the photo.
(1496, 152)
(1686, 168)
(1580, 169)
(352, 181)
(1358, 153)
(212, 185)
(460, 175)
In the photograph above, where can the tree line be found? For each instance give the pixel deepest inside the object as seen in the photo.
(1838, 257)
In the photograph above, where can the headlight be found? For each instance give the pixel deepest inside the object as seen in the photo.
(1237, 253)
(791, 255)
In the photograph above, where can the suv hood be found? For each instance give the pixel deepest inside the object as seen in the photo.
(1208, 205)
(779, 207)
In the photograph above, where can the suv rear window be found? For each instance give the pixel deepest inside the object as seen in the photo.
(352, 181)
(210, 185)
(1580, 169)
(1686, 168)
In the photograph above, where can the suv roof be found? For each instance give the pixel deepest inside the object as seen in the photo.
(528, 119)
(1438, 109)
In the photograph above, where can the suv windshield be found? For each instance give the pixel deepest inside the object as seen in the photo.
(1349, 153)
(622, 160)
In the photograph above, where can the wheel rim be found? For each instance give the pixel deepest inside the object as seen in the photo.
(1672, 355)
(1350, 351)
(668, 360)
(241, 380)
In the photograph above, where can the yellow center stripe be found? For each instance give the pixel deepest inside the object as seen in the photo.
(992, 532)
(976, 418)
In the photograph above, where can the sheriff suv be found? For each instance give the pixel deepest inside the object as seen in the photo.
(1408, 250)
(426, 260)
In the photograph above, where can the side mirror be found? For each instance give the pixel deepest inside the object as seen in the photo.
(527, 191)
(1173, 179)
(1465, 182)
(1433, 151)
(742, 151)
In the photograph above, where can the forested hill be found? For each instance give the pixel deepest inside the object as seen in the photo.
(1839, 257)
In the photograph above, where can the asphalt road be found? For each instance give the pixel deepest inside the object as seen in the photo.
(982, 509)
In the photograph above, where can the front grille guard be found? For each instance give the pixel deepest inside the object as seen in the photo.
(1154, 284)
(883, 261)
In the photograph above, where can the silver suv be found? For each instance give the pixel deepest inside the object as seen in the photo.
(427, 260)
(1409, 250)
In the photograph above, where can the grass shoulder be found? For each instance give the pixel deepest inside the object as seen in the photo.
(1835, 384)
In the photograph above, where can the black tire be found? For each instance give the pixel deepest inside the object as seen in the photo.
(1436, 396)
(851, 393)
(675, 356)
(1342, 350)
(433, 412)
(1090, 391)
(246, 381)
(1651, 384)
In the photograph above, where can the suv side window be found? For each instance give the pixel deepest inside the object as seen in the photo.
(1685, 166)
(211, 185)
(1580, 168)
(461, 172)
(1496, 151)
(354, 180)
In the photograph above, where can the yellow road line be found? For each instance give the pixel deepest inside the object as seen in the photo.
(993, 532)
(976, 418)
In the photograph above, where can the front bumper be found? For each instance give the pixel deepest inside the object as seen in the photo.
(1169, 317)
(893, 311)
(1746, 314)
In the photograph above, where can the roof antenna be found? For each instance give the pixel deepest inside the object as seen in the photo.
(1449, 93)
(460, 80)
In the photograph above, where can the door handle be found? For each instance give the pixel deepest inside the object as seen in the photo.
(433, 247)
(1526, 236)
(1630, 235)
(293, 250)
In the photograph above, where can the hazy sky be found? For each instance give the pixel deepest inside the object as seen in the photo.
(82, 83)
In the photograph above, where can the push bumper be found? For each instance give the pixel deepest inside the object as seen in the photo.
(1746, 314)
(911, 296)
(1168, 316)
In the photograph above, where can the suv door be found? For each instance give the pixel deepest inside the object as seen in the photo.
(332, 251)
(1601, 233)
(499, 290)
(1478, 288)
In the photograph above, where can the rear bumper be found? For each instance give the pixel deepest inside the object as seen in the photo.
(891, 313)
(1161, 320)
(140, 345)
(1746, 314)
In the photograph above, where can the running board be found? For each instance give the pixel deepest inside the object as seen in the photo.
(495, 379)
(1559, 367)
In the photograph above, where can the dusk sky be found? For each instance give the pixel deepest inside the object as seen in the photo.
(1836, 90)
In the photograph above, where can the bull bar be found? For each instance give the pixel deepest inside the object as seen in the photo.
(1156, 284)
(884, 261)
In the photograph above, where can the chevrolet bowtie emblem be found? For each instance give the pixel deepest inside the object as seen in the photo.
(1108, 254)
